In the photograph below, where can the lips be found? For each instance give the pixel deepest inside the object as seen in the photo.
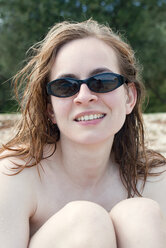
(89, 116)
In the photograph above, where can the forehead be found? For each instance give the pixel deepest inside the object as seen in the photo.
(81, 56)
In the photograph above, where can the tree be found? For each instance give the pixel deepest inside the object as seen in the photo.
(24, 22)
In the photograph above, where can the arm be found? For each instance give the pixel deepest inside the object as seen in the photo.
(155, 188)
(16, 207)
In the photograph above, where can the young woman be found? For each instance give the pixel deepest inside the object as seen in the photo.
(77, 173)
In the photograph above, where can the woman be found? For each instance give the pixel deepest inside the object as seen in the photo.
(79, 152)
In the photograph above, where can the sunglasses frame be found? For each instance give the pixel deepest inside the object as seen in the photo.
(121, 81)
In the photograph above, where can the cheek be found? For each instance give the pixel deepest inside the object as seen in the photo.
(115, 100)
(61, 106)
(116, 104)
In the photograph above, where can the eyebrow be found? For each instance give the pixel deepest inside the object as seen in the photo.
(93, 72)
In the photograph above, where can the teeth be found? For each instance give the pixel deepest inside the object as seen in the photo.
(90, 117)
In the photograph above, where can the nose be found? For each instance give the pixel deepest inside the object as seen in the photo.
(85, 95)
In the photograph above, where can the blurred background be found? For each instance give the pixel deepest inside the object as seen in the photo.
(142, 22)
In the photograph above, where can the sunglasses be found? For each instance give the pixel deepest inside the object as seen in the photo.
(100, 83)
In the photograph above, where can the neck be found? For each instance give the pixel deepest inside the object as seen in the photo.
(85, 165)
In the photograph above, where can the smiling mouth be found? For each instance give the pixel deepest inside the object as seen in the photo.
(90, 117)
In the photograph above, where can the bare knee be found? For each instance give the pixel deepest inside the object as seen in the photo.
(138, 219)
(136, 208)
(90, 225)
(85, 211)
(78, 224)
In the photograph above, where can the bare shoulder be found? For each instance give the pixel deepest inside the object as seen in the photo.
(18, 203)
(19, 184)
(155, 187)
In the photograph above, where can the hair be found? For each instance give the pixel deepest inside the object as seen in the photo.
(35, 130)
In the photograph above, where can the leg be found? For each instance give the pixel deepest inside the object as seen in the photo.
(80, 224)
(139, 223)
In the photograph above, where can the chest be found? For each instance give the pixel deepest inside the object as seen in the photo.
(53, 195)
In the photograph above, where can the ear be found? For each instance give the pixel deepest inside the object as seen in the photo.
(131, 97)
(50, 113)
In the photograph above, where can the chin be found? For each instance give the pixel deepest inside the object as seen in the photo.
(93, 140)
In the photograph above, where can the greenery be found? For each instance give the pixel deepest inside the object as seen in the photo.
(142, 22)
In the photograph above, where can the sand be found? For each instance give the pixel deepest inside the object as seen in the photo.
(155, 129)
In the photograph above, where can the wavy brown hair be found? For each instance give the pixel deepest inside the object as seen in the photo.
(35, 130)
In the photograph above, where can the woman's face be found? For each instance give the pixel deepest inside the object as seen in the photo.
(80, 59)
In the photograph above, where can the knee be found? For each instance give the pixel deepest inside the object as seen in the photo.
(90, 224)
(81, 211)
(139, 219)
(135, 207)
(86, 214)
(82, 223)
(135, 212)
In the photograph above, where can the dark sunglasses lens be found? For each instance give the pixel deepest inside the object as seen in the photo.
(104, 83)
(64, 88)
